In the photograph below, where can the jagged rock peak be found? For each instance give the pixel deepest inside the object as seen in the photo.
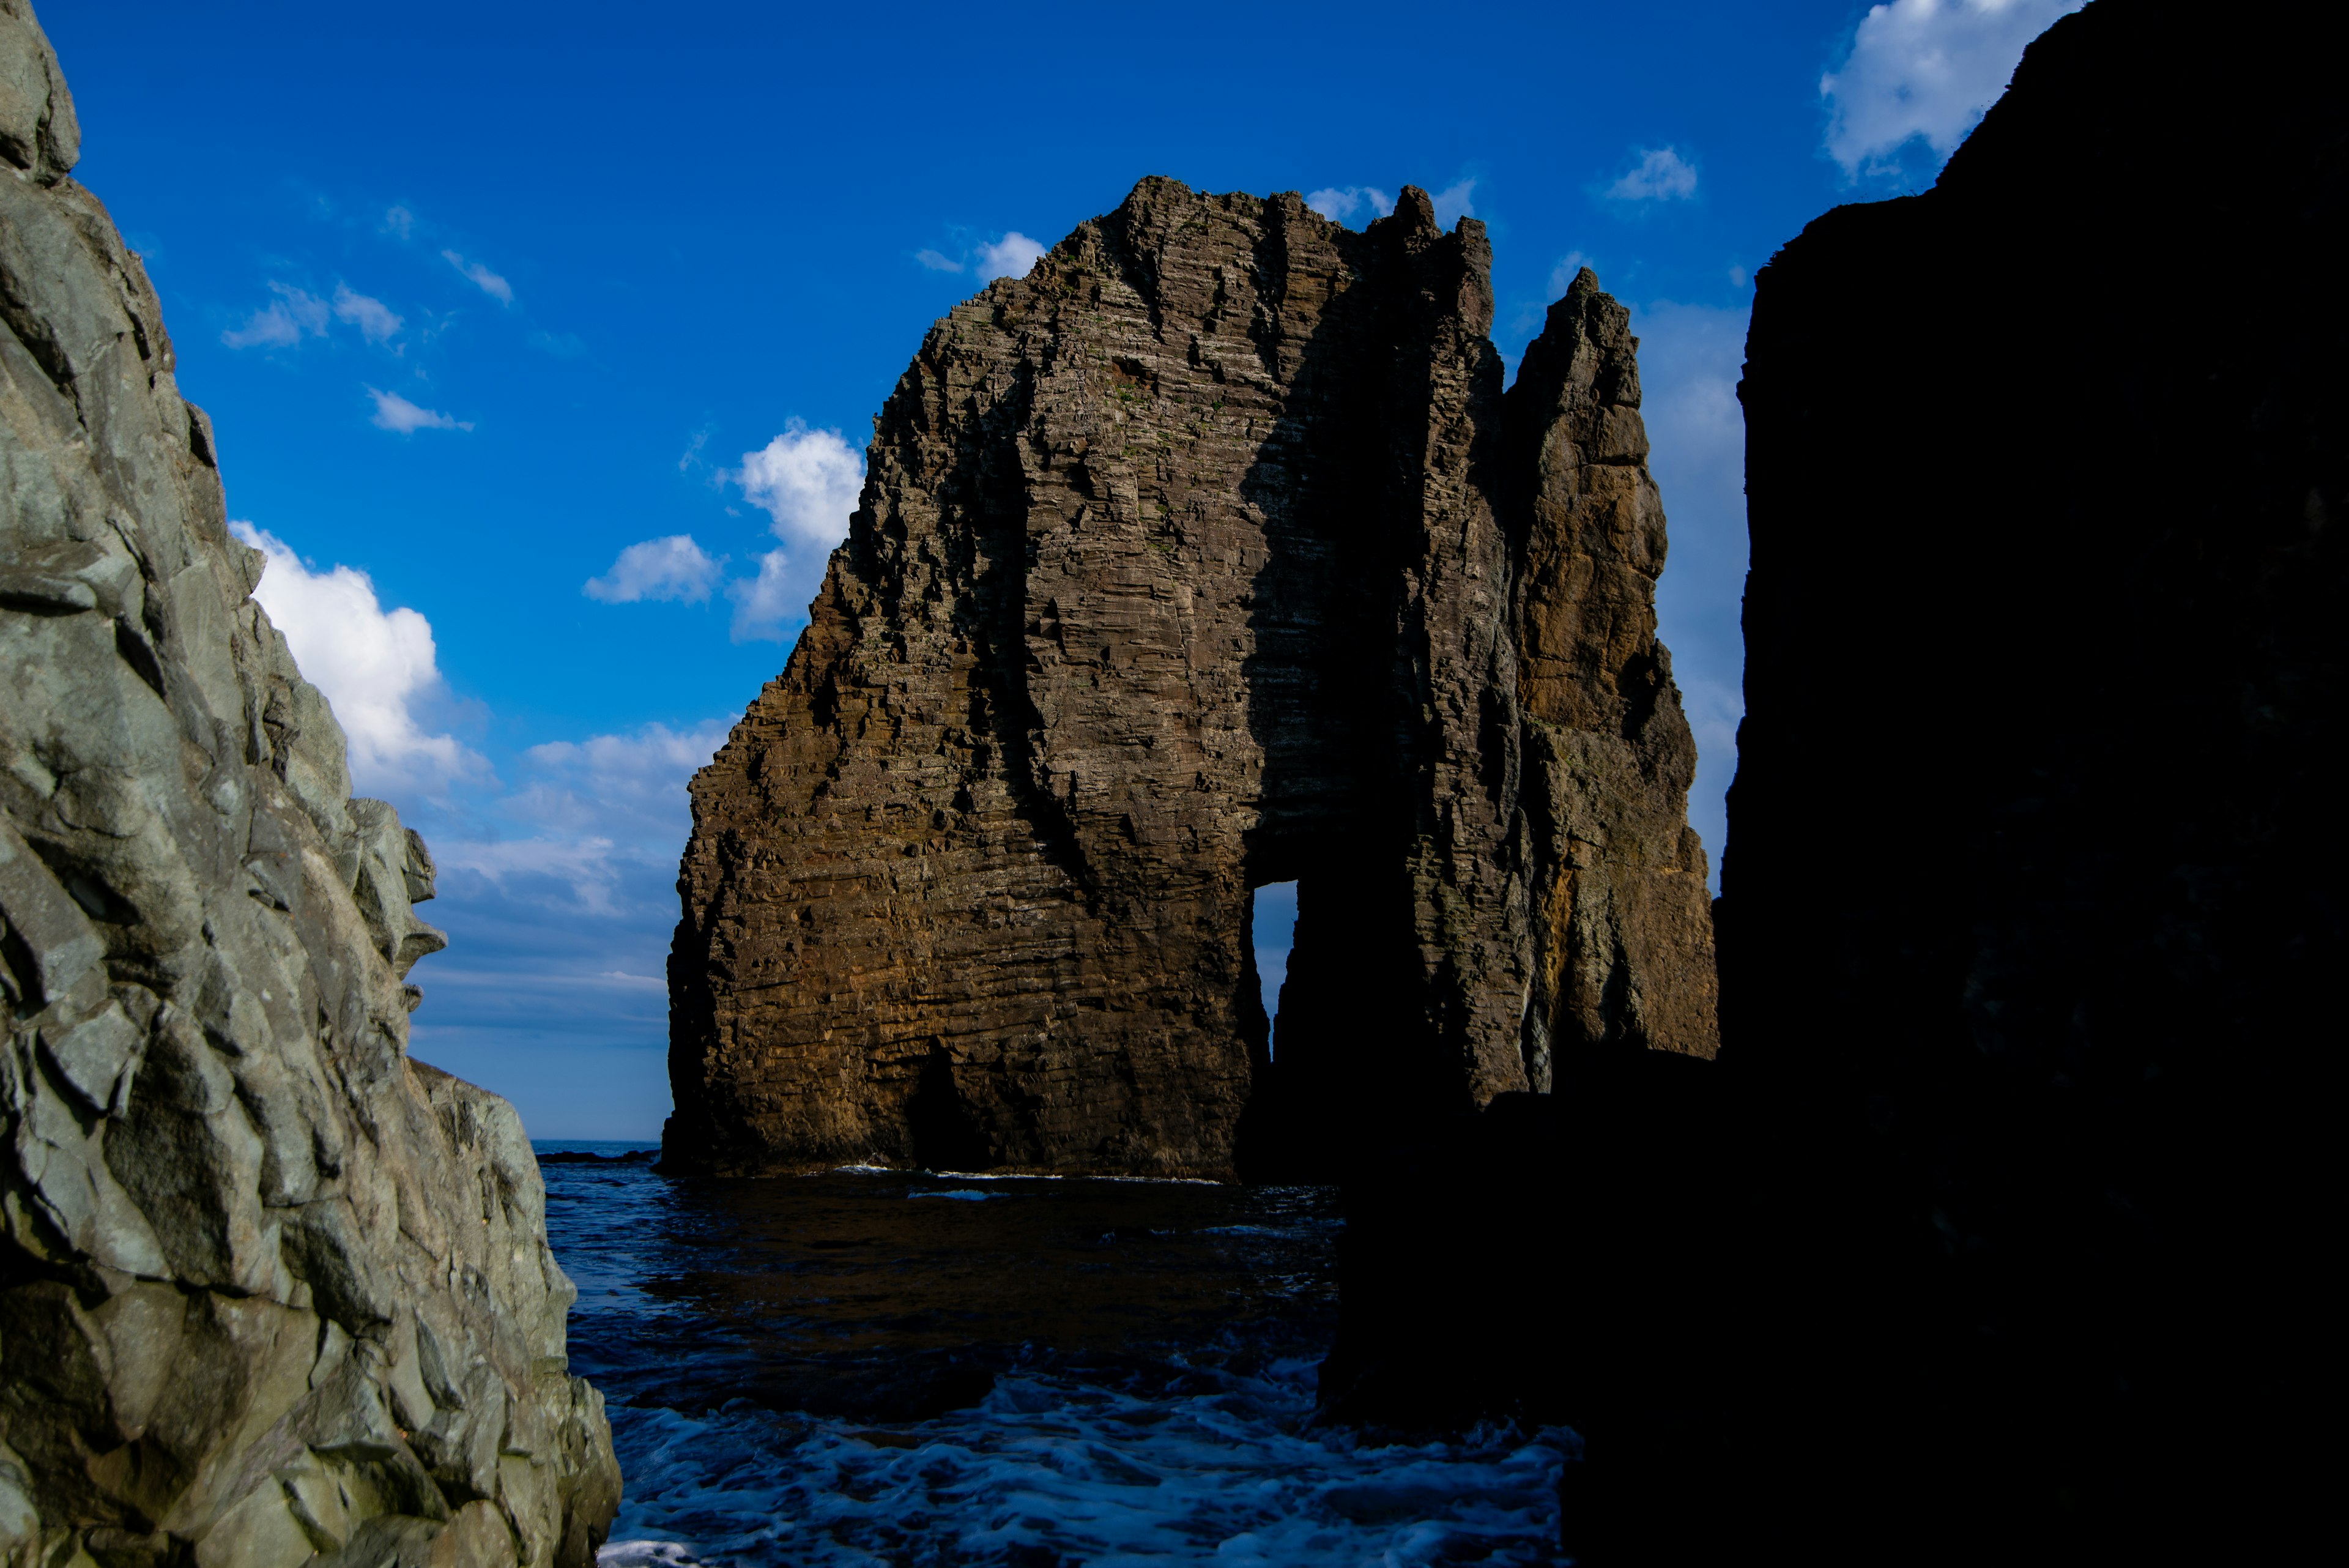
(269, 1292)
(1205, 555)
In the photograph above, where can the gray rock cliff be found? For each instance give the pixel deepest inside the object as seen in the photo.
(271, 1292)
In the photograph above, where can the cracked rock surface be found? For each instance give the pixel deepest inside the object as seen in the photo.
(269, 1292)
(1208, 554)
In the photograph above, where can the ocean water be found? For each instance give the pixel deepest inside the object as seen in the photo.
(871, 1367)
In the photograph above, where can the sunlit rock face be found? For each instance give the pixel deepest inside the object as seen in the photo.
(1210, 554)
(269, 1290)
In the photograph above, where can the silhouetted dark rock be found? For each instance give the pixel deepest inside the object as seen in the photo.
(1207, 555)
(2033, 899)
(1997, 1229)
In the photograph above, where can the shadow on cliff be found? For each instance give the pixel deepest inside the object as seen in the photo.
(1995, 1234)
(1331, 697)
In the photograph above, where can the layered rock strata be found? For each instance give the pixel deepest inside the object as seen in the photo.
(269, 1292)
(1208, 554)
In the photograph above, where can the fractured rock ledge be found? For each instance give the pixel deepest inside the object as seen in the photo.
(269, 1292)
(1208, 554)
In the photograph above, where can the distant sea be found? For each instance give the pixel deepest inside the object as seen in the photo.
(890, 1367)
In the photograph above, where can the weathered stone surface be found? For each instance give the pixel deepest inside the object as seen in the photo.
(268, 1289)
(1208, 554)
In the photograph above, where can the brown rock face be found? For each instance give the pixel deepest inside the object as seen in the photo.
(1208, 554)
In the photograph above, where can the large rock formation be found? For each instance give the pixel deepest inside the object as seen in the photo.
(269, 1292)
(1208, 554)
(2033, 883)
(1996, 1230)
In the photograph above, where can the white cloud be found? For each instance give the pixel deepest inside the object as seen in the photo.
(393, 413)
(936, 261)
(597, 810)
(398, 221)
(1339, 203)
(1661, 175)
(1452, 204)
(585, 866)
(765, 606)
(480, 278)
(630, 788)
(373, 665)
(1009, 256)
(807, 481)
(375, 319)
(1925, 69)
(670, 568)
(282, 323)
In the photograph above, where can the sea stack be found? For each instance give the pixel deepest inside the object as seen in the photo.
(1208, 554)
(269, 1292)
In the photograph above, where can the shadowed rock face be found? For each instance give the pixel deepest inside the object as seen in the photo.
(269, 1292)
(1208, 554)
(2032, 903)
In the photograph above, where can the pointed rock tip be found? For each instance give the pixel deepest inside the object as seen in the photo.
(1154, 188)
(1580, 297)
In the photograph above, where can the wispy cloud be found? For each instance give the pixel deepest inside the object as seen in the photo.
(598, 813)
(1452, 204)
(1561, 276)
(584, 866)
(480, 278)
(1339, 203)
(1661, 174)
(398, 223)
(396, 413)
(1924, 70)
(766, 606)
(375, 666)
(376, 320)
(1009, 256)
(937, 261)
(674, 567)
(1690, 359)
(283, 322)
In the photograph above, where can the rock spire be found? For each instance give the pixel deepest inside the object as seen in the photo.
(1208, 554)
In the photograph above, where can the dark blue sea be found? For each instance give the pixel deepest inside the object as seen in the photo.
(871, 1367)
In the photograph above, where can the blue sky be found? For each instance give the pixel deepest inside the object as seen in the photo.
(542, 341)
